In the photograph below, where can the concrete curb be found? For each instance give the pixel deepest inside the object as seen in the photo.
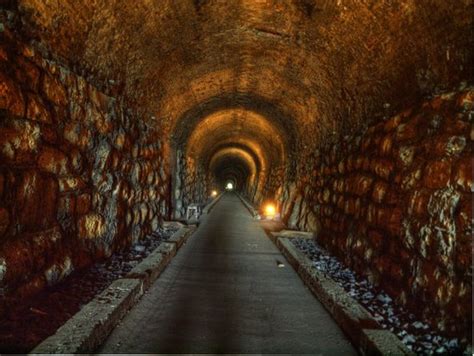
(274, 236)
(151, 267)
(249, 206)
(181, 236)
(362, 329)
(89, 327)
(93, 323)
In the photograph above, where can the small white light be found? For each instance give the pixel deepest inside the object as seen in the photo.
(229, 186)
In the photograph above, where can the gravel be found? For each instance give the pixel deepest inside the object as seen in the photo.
(28, 322)
(418, 336)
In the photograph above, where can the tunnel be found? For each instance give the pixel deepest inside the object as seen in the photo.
(342, 129)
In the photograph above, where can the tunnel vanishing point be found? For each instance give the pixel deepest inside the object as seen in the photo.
(354, 117)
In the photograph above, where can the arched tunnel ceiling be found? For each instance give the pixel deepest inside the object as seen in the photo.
(246, 149)
(327, 64)
(226, 158)
(237, 127)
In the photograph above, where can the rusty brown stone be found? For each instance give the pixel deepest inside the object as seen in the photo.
(392, 123)
(448, 145)
(83, 205)
(36, 110)
(66, 205)
(383, 168)
(341, 167)
(394, 223)
(91, 226)
(464, 220)
(366, 164)
(410, 129)
(36, 201)
(362, 184)
(366, 142)
(386, 145)
(371, 214)
(419, 203)
(466, 100)
(379, 191)
(53, 161)
(463, 174)
(2, 184)
(376, 238)
(54, 90)
(11, 97)
(48, 203)
(349, 206)
(28, 198)
(437, 174)
(99, 99)
(27, 73)
(4, 220)
(3, 54)
(68, 184)
(78, 134)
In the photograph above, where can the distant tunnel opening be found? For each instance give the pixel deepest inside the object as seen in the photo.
(242, 139)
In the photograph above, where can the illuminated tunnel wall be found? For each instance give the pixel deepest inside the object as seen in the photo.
(354, 116)
(239, 138)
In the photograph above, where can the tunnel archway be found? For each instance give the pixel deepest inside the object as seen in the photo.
(354, 118)
(233, 163)
(241, 126)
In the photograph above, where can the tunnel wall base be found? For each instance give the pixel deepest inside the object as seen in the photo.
(80, 173)
(394, 203)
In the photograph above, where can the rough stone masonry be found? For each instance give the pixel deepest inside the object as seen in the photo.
(353, 117)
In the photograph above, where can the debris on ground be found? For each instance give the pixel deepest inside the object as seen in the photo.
(415, 334)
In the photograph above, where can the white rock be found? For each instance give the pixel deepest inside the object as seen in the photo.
(139, 248)
(384, 298)
(408, 339)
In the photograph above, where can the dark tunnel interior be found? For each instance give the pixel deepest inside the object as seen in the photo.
(354, 118)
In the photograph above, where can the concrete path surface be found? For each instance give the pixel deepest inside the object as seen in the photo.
(224, 293)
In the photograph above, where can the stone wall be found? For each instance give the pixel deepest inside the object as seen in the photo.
(190, 185)
(395, 204)
(81, 175)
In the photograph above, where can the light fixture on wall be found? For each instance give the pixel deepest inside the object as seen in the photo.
(214, 193)
(269, 211)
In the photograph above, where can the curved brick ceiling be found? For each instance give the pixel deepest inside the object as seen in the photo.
(309, 68)
(237, 126)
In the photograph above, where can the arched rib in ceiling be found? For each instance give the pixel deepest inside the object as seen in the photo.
(246, 111)
(260, 163)
(237, 126)
(331, 64)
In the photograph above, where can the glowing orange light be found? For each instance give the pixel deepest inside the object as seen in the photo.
(214, 193)
(270, 210)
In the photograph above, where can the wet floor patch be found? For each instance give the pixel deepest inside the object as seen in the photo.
(27, 322)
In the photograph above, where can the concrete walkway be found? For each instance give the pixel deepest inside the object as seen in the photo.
(224, 293)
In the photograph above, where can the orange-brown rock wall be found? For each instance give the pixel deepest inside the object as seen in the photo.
(81, 175)
(395, 204)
